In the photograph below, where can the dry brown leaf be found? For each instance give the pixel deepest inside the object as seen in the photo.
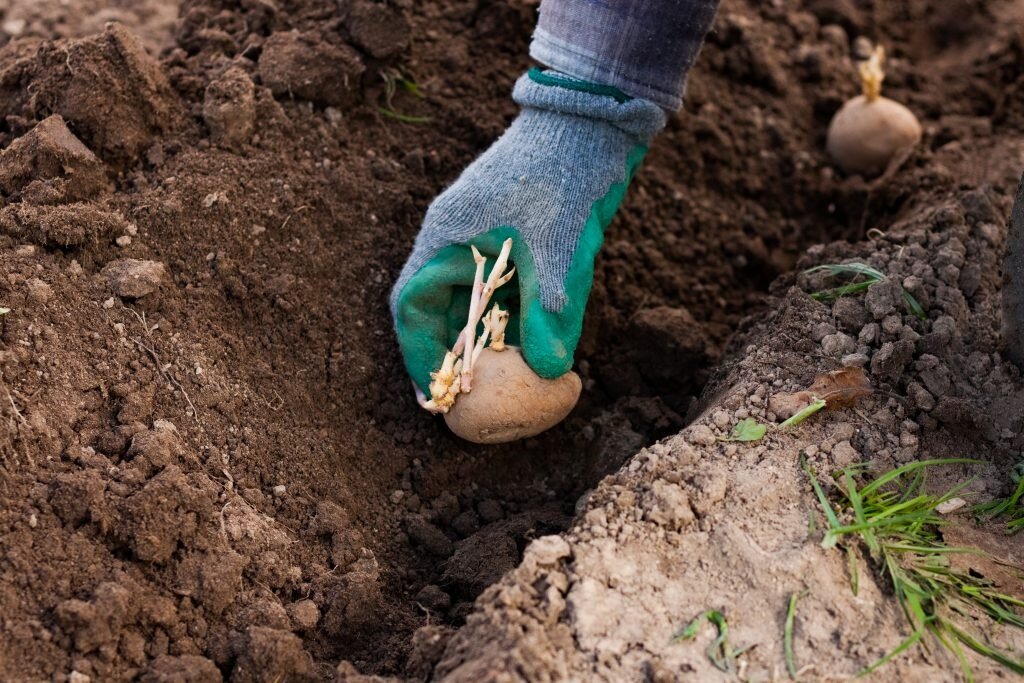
(840, 389)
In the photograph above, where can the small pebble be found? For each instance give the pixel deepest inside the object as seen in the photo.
(14, 27)
(843, 454)
(548, 550)
(908, 439)
(721, 419)
(892, 324)
(881, 298)
(838, 344)
(951, 505)
(304, 615)
(133, 279)
(856, 360)
(820, 331)
(702, 435)
(39, 291)
(433, 598)
(869, 333)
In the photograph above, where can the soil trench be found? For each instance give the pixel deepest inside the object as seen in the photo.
(212, 466)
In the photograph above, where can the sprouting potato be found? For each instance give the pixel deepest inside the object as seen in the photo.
(869, 131)
(866, 134)
(510, 401)
(484, 388)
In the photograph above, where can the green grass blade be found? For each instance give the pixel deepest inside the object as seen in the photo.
(404, 118)
(830, 514)
(412, 87)
(718, 651)
(851, 563)
(692, 628)
(915, 308)
(881, 510)
(953, 646)
(787, 635)
(895, 521)
(816, 405)
(833, 269)
(930, 549)
(902, 647)
(915, 485)
(841, 291)
(1010, 507)
(982, 649)
(858, 510)
(913, 467)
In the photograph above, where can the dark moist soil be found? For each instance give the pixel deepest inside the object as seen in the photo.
(211, 463)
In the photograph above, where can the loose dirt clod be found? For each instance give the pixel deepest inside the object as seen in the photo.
(49, 163)
(295, 64)
(229, 108)
(107, 87)
(134, 278)
(378, 29)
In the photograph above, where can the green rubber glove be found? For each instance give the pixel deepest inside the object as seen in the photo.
(552, 183)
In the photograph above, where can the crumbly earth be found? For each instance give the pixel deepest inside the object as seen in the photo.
(212, 466)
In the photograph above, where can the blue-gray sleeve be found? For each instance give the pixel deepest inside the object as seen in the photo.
(643, 47)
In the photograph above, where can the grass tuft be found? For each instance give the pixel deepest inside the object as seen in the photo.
(1012, 508)
(871, 275)
(896, 521)
(393, 81)
(720, 652)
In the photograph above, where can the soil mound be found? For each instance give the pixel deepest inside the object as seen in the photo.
(211, 464)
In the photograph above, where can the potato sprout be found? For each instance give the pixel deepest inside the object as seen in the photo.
(455, 375)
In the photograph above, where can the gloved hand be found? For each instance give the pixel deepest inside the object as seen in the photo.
(552, 183)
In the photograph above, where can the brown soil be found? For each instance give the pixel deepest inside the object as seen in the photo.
(210, 460)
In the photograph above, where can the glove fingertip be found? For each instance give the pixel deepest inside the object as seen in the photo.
(547, 356)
